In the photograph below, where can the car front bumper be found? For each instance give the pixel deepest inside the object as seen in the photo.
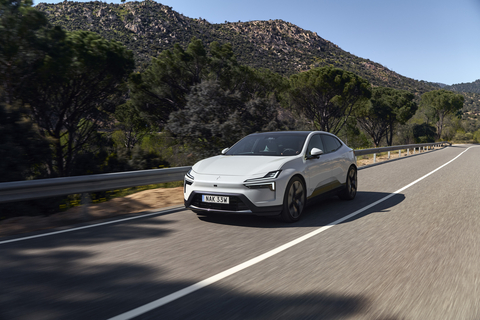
(239, 204)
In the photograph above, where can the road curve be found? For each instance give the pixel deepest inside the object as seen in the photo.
(411, 256)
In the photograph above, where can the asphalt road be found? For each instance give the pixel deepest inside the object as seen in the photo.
(415, 255)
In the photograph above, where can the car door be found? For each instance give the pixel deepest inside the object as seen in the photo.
(332, 146)
(319, 170)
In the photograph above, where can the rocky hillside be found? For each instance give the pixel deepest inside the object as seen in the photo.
(473, 87)
(471, 92)
(149, 27)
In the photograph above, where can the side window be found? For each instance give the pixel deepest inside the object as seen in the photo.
(331, 144)
(315, 142)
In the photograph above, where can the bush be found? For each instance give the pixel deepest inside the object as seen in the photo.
(424, 133)
(476, 136)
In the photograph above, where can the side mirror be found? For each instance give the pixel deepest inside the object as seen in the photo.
(225, 150)
(315, 153)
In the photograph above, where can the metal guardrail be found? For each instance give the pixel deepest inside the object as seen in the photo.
(42, 188)
(402, 147)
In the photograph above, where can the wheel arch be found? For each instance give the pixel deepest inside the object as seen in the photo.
(304, 182)
(301, 178)
(352, 165)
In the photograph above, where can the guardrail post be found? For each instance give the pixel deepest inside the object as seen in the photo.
(86, 200)
(388, 155)
(374, 157)
(408, 152)
(399, 153)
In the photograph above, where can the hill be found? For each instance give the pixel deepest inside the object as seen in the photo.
(149, 27)
(471, 92)
(473, 87)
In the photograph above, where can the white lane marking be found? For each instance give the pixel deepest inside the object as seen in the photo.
(204, 283)
(89, 226)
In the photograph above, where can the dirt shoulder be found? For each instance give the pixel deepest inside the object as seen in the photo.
(135, 203)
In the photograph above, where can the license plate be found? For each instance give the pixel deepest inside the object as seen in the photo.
(215, 199)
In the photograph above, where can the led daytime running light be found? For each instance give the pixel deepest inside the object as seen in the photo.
(261, 185)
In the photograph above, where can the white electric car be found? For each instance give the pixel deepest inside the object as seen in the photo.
(272, 173)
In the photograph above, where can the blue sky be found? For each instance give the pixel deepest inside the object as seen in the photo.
(429, 40)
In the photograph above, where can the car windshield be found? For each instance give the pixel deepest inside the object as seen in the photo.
(270, 144)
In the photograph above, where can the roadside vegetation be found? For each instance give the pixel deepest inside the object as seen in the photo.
(74, 103)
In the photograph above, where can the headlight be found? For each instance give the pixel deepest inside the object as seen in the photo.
(263, 182)
(272, 174)
(269, 176)
(189, 175)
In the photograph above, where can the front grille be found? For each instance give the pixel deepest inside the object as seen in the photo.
(236, 204)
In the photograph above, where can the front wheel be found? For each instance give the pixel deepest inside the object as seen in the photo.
(294, 200)
(350, 190)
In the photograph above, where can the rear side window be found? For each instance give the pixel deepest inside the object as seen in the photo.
(330, 143)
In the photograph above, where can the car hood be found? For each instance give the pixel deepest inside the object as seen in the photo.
(239, 165)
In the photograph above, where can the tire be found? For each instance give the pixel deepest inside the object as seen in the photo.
(294, 200)
(350, 190)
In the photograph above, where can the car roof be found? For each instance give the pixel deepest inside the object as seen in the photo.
(289, 132)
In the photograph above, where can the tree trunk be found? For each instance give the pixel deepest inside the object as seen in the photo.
(439, 126)
(59, 157)
(389, 135)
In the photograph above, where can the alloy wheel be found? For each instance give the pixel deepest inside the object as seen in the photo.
(295, 200)
(352, 183)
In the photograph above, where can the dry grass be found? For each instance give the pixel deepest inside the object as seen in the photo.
(383, 156)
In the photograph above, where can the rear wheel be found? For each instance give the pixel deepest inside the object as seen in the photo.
(350, 190)
(294, 200)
